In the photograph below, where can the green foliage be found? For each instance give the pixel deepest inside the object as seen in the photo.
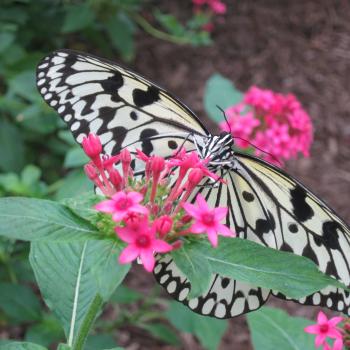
(21, 346)
(209, 331)
(247, 261)
(274, 329)
(220, 92)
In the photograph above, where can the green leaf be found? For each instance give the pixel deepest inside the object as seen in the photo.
(121, 33)
(221, 92)
(19, 302)
(274, 329)
(292, 275)
(162, 332)
(21, 346)
(37, 219)
(75, 279)
(209, 331)
(23, 85)
(12, 148)
(194, 269)
(46, 332)
(73, 185)
(64, 347)
(99, 342)
(125, 295)
(78, 17)
(6, 39)
(75, 157)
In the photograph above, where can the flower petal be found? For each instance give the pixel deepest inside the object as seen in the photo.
(201, 202)
(320, 339)
(213, 238)
(125, 234)
(137, 208)
(335, 320)
(106, 206)
(321, 318)
(225, 231)
(128, 254)
(312, 329)
(338, 344)
(160, 246)
(198, 228)
(220, 213)
(147, 259)
(191, 210)
(136, 197)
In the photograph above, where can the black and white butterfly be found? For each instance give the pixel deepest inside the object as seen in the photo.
(266, 205)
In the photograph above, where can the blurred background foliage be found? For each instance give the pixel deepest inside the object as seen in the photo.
(39, 157)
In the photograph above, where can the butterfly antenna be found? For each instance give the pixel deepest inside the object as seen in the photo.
(224, 114)
(271, 155)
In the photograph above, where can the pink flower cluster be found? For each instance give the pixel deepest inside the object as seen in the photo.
(217, 6)
(327, 328)
(151, 215)
(273, 123)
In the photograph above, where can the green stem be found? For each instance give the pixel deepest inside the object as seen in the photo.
(87, 323)
(148, 28)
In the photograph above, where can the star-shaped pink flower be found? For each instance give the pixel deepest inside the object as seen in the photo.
(122, 204)
(142, 242)
(326, 328)
(207, 220)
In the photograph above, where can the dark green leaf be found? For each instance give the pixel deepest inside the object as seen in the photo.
(75, 184)
(6, 39)
(162, 332)
(247, 261)
(194, 269)
(125, 295)
(121, 33)
(21, 346)
(273, 329)
(46, 332)
(19, 302)
(35, 219)
(78, 17)
(99, 342)
(209, 331)
(221, 92)
(75, 279)
(12, 147)
(23, 84)
(75, 158)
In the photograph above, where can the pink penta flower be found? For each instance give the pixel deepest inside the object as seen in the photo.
(207, 220)
(325, 328)
(121, 204)
(142, 242)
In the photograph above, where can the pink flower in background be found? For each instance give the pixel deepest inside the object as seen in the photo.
(142, 242)
(207, 220)
(276, 124)
(122, 204)
(217, 6)
(326, 328)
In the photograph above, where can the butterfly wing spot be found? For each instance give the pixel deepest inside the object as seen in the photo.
(249, 197)
(301, 209)
(293, 227)
(143, 98)
(172, 144)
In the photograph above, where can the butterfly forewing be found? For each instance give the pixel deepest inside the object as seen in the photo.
(93, 95)
(266, 205)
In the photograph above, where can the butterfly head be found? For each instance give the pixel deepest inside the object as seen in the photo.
(218, 148)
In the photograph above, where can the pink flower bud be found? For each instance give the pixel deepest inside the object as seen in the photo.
(163, 225)
(125, 156)
(195, 176)
(116, 179)
(347, 326)
(186, 219)
(91, 171)
(92, 146)
(177, 244)
(157, 164)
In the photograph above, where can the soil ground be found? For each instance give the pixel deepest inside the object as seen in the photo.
(298, 46)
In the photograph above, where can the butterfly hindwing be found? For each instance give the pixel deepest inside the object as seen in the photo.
(93, 95)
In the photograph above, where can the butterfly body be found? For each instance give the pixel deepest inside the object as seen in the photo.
(266, 205)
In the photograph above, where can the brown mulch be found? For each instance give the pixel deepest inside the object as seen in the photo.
(294, 46)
